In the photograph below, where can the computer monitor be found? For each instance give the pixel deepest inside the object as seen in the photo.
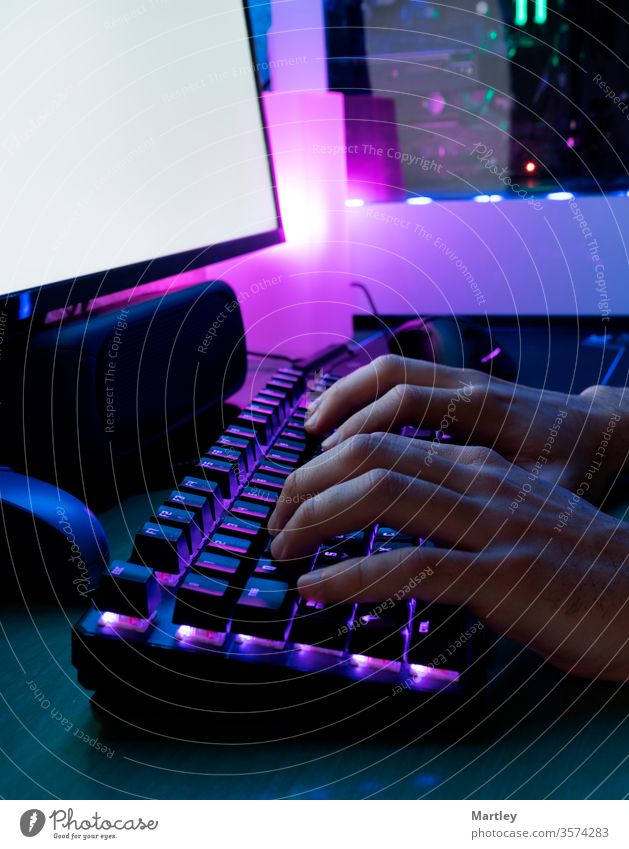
(133, 146)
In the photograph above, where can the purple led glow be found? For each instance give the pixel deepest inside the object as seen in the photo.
(200, 635)
(363, 660)
(109, 619)
(491, 355)
(260, 641)
(420, 200)
(167, 578)
(420, 671)
(424, 627)
(354, 202)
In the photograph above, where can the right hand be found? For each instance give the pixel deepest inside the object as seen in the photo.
(558, 436)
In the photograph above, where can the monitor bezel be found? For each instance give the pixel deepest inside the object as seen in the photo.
(38, 301)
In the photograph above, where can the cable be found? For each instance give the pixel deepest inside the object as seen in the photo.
(372, 303)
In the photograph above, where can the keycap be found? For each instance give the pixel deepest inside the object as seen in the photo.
(269, 412)
(228, 543)
(275, 395)
(258, 493)
(435, 630)
(274, 468)
(176, 517)
(162, 548)
(267, 481)
(128, 589)
(202, 602)
(246, 528)
(198, 505)
(235, 456)
(222, 472)
(270, 403)
(260, 424)
(384, 533)
(244, 445)
(286, 457)
(264, 609)
(257, 510)
(380, 630)
(208, 489)
(286, 443)
(266, 567)
(214, 565)
(325, 626)
(288, 389)
(241, 431)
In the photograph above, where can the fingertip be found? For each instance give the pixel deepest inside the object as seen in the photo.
(311, 587)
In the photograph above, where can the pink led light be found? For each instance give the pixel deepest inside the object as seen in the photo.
(200, 635)
(117, 620)
(167, 578)
(491, 355)
(420, 671)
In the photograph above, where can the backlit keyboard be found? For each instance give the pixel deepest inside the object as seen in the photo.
(200, 603)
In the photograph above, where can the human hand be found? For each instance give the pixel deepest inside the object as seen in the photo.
(551, 574)
(555, 436)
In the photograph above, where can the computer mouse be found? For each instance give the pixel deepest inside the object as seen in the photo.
(51, 544)
(462, 343)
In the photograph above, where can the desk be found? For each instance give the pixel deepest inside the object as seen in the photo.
(555, 737)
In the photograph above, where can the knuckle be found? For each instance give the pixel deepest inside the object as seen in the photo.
(388, 365)
(381, 482)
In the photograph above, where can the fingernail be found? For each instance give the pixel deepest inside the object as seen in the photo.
(331, 441)
(311, 584)
(277, 546)
(312, 406)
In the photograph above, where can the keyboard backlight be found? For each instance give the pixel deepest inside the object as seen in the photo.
(167, 578)
(319, 649)
(117, 620)
(187, 632)
(362, 660)
(260, 641)
(420, 671)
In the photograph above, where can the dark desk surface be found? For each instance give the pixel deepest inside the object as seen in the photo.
(555, 737)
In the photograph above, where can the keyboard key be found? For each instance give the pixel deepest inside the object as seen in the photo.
(264, 609)
(230, 441)
(289, 389)
(286, 443)
(257, 493)
(266, 567)
(129, 590)
(275, 395)
(285, 457)
(214, 565)
(384, 533)
(435, 630)
(161, 548)
(195, 504)
(241, 431)
(379, 631)
(202, 602)
(325, 626)
(265, 480)
(176, 517)
(210, 490)
(257, 510)
(228, 543)
(246, 528)
(272, 403)
(223, 473)
(235, 456)
(274, 468)
(260, 424)
(268, 411)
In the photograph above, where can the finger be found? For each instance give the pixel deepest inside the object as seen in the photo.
(436, 462)
(370, 382)
(457, 411)
(430, 574)
(414, 506)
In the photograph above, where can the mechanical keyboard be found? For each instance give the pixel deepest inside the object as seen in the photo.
(200, 609)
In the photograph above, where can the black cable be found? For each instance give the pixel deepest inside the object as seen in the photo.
(372, 303)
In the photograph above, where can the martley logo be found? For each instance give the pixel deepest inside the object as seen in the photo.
(32, 822)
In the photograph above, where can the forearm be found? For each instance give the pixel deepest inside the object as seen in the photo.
(608, 421)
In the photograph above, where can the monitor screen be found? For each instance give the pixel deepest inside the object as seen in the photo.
(129, 133)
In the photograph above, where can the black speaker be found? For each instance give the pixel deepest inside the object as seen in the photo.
(106, 395)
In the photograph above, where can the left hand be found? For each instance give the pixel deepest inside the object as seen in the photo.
(550, 572)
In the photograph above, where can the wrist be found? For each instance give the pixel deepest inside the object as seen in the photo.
(606, 414)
